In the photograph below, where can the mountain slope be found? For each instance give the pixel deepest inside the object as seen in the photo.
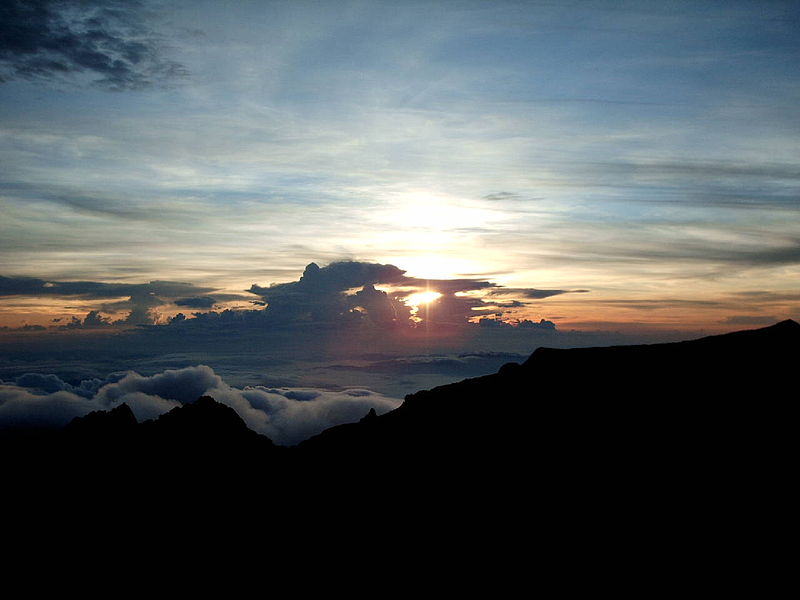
(580, 393)
(696, 410)
(634, 468)
(623, 456)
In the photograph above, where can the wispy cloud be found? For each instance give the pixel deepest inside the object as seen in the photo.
(31, 286)
(138, 300)
(558, 147)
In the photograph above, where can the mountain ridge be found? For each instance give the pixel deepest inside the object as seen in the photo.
(553, 406)
(543, 468)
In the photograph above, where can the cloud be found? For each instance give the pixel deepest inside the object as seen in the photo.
(146, 406)
(501, 196)
(715, 183)
(541, 324)
(92, 320)
(21, 407)
(32, 286)
(143, 205)
(178, 385)
(766, 296)
(196, 302)
(141, 306)
(319, 294)
(509, 197)
(110, 40)
(496, 323)
(45, 400)
(143, 298)
(532, 293)
(342, 294)
(290, 416)
(452, 310)
(329, 297)
(322, 295)
(53, 383)
(381, 308)
(24, 328)
(335, 277)
(510, 304)
(750, 320)
(452, 286)
(285, 415)
(495, 136)
(470, 364)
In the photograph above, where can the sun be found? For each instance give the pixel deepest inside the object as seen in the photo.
(420, 298)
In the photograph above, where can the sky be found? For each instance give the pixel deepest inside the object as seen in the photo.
(574, 170)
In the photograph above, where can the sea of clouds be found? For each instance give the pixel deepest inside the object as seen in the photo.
(286, 415)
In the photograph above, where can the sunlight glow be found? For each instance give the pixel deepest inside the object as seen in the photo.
(434, 265)
(427, 210)
(420, 298)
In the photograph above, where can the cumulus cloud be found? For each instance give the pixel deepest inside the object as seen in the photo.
(452, 310)
(541, 324)
(285, 415)
(110, 40)
(341, 294)
(381, 308)
(92, 320)
(496, 323)
(324, 294)
(319, 294)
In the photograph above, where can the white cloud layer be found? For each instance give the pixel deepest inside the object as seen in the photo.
(285, 415)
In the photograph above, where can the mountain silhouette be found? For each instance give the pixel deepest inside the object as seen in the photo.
(199, 446)
(102, 424)
(618, 447)
(697, 391)
(593, 396)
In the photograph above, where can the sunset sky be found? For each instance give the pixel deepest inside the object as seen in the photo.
(643, 152)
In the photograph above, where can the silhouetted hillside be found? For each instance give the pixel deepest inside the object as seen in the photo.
(621, 447)
(586, 431)
(594, 397)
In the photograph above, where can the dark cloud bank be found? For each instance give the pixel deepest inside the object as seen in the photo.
(110, 40)
(139, 300)
(329, 294)
(342, 294)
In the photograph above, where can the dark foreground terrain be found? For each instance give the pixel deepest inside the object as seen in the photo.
(686, 450)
